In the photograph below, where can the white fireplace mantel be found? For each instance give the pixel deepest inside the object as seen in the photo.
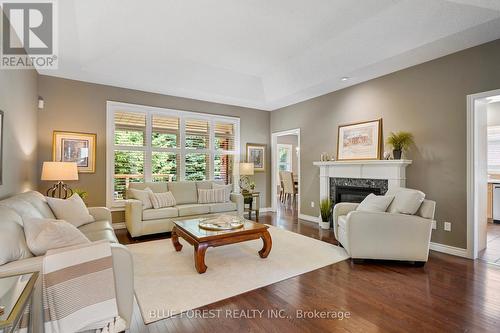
(394, 171)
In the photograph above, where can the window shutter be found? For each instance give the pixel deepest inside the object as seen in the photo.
(130, 129)
(197, 134)
(224, 136)
(165, 132)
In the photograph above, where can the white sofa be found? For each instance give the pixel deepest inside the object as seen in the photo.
(141, 221)
(383, 235)
(33, 204)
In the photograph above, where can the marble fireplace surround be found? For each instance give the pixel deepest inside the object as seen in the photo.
(367, 171)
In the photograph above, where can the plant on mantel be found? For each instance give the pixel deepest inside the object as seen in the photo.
(400, 142)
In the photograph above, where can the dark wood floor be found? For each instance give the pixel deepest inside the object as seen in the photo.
(449, 294)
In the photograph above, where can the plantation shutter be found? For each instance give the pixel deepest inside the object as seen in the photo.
(197, 134)
(224, 136)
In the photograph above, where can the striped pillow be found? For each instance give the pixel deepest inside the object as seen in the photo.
(212, 196)
(228, 188)
(161, 200)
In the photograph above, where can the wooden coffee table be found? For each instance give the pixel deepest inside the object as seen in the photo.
(201, 239)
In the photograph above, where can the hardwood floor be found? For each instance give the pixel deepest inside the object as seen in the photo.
(449, 294)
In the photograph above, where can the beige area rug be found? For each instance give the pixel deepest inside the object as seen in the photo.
(166, 282)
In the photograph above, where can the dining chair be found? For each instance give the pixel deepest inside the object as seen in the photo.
(289, 190)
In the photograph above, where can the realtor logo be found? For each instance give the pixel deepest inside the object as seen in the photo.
(28, 35)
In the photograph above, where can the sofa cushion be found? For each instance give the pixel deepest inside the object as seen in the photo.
(204, 185)
(193, 209)
(223, 207)
(46, 234)
(213, 196)
(96, 226)
(406, 201)
(161, 213)
(227, 190)
(156, 187)
(38, 200)
(141, 195)
(375, 203)
(184, 192)
(342, 220)
(22, 207)
(161, 200)
(98, 235)
(72, 210)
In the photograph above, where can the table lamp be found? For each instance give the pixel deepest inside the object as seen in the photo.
(246, 169)
(59, 172)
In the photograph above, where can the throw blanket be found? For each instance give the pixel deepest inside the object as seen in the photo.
(78, 289)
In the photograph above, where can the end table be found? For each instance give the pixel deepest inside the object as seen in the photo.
(252, 199)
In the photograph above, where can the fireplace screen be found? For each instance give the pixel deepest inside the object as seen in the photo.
(353, 194)
(355, 189)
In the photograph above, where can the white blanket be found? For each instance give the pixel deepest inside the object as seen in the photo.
(79, 291)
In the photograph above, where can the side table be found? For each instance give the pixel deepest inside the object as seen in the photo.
(252, 199)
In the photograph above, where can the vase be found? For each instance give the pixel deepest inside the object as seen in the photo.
(397, 154)
(325, 225)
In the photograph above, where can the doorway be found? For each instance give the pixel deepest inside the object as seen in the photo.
(285, 156)
(483, 176)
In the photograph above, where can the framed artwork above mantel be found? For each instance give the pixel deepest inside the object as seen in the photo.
(360, 141)
(75, 147)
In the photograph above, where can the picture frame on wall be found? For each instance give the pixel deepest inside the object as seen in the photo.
(360, 141)
(256, 154)
(75, 147)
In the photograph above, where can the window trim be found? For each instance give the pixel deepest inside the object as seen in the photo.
(149, 111)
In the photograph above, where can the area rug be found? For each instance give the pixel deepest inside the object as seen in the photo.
(166, 282)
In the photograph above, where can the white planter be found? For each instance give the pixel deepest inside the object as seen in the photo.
(324, 225)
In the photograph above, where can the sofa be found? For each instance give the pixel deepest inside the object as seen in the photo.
(384, 235)
(141, 221)
(32, 204)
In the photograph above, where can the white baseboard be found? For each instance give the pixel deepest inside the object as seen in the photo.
(455, 251)
(265, 210)
(310, 218)
(119, 225)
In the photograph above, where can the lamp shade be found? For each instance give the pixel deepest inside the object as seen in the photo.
(59, 171)
(246, 169)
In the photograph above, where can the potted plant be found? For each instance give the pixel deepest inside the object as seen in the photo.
(400, 141)
(325, 207)
(82, 193)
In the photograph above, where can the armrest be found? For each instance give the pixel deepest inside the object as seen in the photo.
(100, 213)
(388, 236)
(238, 199)
(133, 217)
(123, 267)
(342, 208)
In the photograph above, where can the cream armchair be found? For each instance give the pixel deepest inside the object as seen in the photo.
(383, 235)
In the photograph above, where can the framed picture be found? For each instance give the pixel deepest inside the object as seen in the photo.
(360, 141)
(1, 147)
(256, 154)
(75, 147)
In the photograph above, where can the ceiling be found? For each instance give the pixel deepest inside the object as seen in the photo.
(264, 54)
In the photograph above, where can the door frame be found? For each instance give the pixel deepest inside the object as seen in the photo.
(474, 103)
(274, 166)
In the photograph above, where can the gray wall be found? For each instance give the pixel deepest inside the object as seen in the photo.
(428, 100)
(18, 100)
(81, 107)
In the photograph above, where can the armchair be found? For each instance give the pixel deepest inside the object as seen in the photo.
(384, 235)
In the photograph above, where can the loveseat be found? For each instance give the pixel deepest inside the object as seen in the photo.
(140, 221)
(32, 204)
(385, 235)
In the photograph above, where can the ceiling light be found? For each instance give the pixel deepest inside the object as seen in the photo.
(493, 99)
(345, 78)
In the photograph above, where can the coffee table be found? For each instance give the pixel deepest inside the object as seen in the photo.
(202, 239)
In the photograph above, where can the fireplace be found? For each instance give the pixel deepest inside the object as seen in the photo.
(353, 193)
(355, 189)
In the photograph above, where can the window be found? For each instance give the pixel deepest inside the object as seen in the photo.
(284, 157)
(494, 149)
(155, 144)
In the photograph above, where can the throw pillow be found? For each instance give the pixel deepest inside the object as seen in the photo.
(375, 203)
(228, 189)
(46, 234)
(142, 195)
(72, 210)
(161, 200)
(212, 196)
(406, 201)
